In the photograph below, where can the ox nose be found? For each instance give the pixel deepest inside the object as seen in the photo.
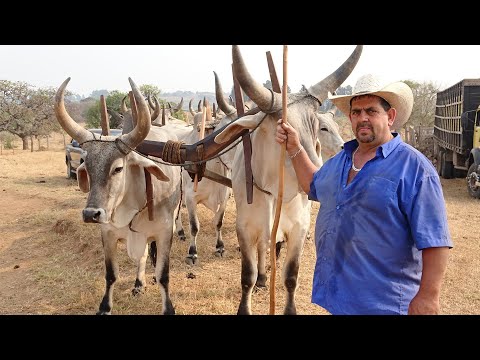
(91, 215)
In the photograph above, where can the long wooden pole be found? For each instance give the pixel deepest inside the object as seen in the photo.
(202, 135)
(281, 177)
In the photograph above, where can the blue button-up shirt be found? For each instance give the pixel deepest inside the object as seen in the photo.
(369, 233)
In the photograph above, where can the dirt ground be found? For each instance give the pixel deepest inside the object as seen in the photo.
(52, 263)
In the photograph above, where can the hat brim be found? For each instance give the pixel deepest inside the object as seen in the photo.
(399, 95)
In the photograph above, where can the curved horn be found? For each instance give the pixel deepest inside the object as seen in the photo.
(68, 124)
(150, 102)
(255, 91)
(222, 103)
(199, 107)
(140, 132)
(190, 107)
(230, 100)
(123, 107)
(334, 80)
(156, 108)
(116, 116)
(208, 111)
(179, 107)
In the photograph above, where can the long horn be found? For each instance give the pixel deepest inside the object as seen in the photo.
(230, 100)
(156, 108)
(179, 107)
(199, 106)
(222, 103)
(209, 110)
(116, 116)
(123, 107)
(259, 94)
(190, 107)
(335, 79)
(150, 102)
(68, 124)
(140, 132)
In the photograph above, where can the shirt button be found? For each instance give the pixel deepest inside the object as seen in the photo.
(338, 207)
(322, 282)
(324, 258)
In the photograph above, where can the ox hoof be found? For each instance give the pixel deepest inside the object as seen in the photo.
(137, 291)
(259, 288)
(182, 237)
(191, 260)
(102, 312)
(154, 280)
(219, 252)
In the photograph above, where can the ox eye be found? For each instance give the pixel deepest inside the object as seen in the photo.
(324, 129)
(118, 170)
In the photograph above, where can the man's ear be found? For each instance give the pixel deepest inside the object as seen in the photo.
(392, 115)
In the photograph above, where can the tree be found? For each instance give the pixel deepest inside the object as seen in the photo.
(97, 93)
(25, 111)
(113, 101)
(424, 102)
(327, 104)
(151, 90)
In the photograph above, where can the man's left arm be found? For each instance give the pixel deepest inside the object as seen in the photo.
(427, 300)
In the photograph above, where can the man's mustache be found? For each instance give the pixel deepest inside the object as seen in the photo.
(364, 125)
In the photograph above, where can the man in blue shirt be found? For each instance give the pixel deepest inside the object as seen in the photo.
(381, 233)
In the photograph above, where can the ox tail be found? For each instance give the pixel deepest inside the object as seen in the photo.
(152, 252)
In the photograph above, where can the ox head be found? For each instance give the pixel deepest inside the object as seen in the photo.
(302, 106)
(110, 163)
(330, 140)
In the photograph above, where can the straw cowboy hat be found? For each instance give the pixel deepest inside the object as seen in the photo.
(397, 94)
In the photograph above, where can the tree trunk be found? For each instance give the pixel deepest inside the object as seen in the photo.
(48, 145)
(24, 143)
(38, 140)
(31, 143)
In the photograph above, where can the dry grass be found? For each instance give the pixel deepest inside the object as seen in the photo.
(52, 263)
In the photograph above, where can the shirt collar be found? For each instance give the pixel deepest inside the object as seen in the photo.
(386, 149)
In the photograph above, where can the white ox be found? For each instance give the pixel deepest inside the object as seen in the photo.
(255, 221)
(211, 194)
(114, 176)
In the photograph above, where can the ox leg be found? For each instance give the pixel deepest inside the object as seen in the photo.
(249, 275)
(111, 273)
(261, 283)
(192, 256)
(218, 222)
(179, 226)
(140, 279)
(290, 273)
(162, 271)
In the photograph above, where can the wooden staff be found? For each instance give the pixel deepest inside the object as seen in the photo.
(202, 135)
(281, 175)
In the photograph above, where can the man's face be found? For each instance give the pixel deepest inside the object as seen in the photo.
(370, 122)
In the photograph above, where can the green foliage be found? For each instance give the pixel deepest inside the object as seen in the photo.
(424, 101)
(7, 140)
(113, 101)
(151, 90)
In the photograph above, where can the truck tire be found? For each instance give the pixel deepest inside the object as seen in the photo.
(438, 165)
(447, 167)
(472, 177)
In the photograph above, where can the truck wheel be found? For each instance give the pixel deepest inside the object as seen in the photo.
(69, 170)
(438, 165)
(472, 177)
(447, 167)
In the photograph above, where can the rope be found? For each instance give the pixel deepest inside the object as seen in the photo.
(171, 152)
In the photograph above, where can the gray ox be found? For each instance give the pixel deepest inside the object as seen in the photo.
(114, 176)
(255, 221)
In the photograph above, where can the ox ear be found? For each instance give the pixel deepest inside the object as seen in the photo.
(247, 122)
(82, 178)
(157, 172)
(151, 167)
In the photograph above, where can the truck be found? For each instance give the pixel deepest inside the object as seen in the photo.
(456, 134)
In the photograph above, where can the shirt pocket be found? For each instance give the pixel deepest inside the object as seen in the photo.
(378, 194)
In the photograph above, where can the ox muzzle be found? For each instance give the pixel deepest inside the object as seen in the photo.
(93, 215)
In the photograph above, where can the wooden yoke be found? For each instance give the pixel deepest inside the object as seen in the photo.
(247, 142)
(104, 117)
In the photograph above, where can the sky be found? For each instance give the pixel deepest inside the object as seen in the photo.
(190, 67)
